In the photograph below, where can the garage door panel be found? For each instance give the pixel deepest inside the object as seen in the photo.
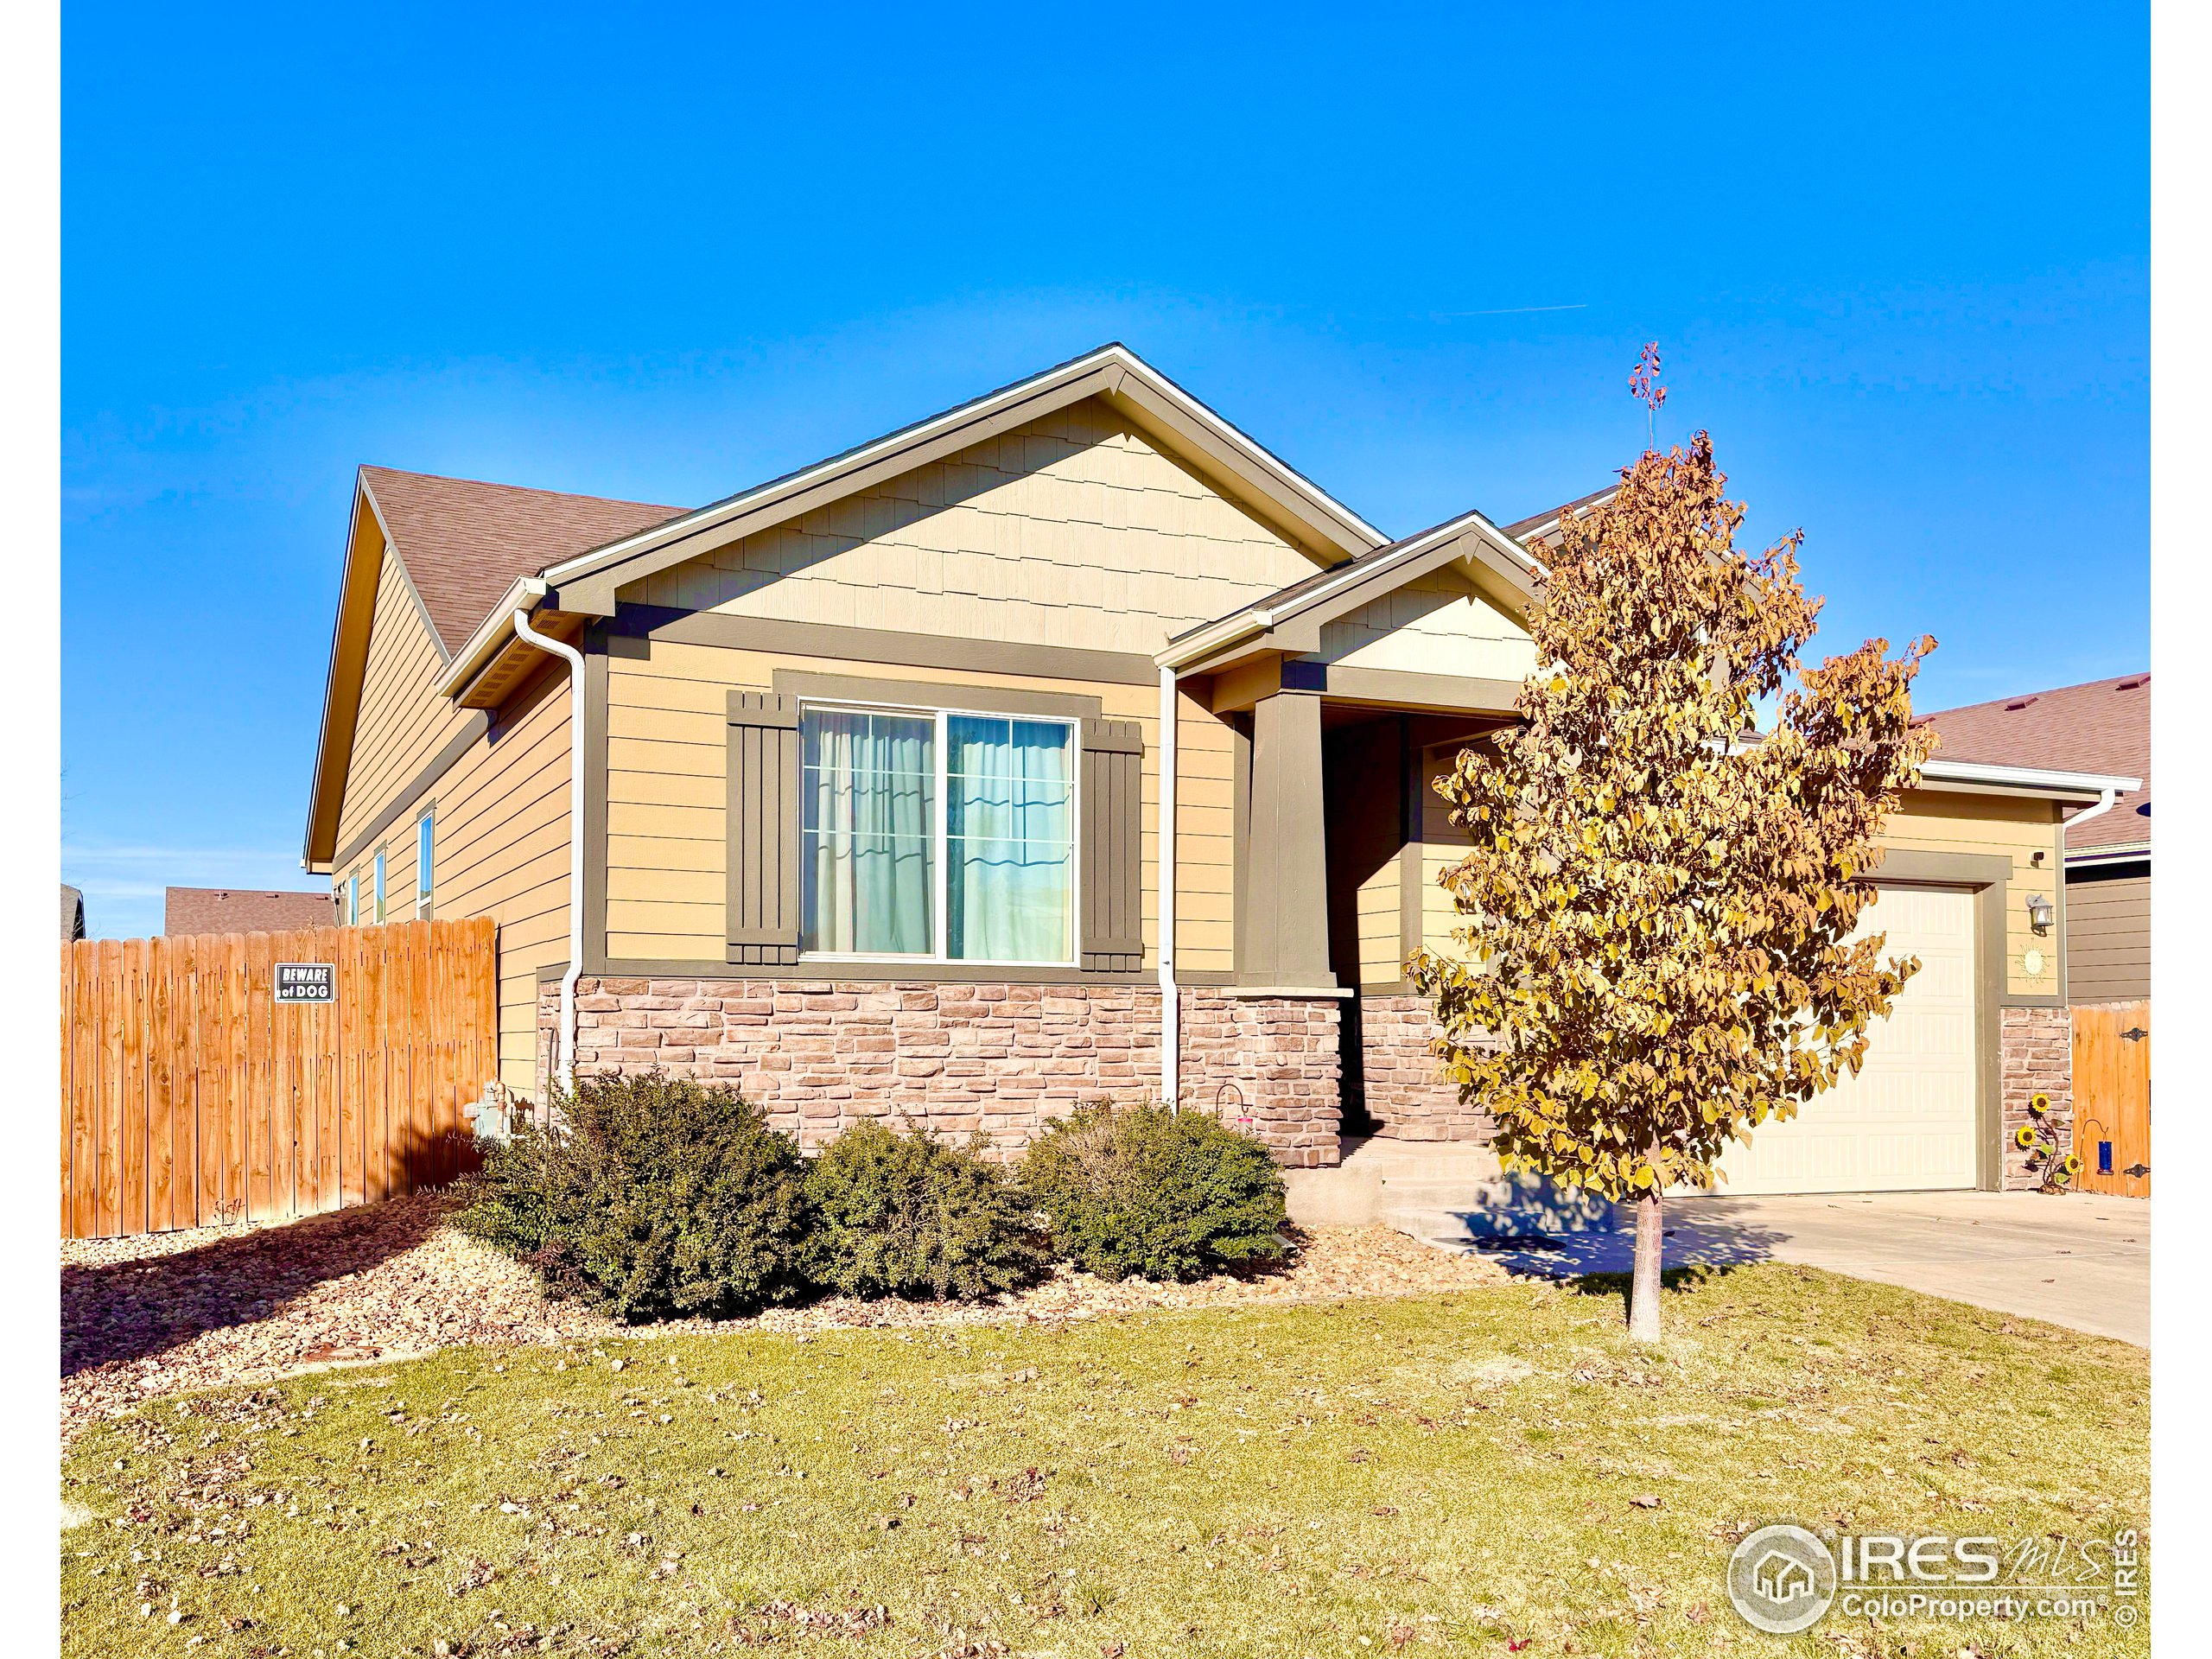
(1907, 1121)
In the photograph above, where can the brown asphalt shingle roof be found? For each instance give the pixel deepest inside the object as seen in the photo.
(2104, 725)
(463, 542)
(230, 910)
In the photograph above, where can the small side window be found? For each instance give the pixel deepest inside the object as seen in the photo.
(380, 882)
(354, 899)
(423, 869)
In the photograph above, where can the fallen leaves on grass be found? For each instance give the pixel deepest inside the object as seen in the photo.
(169, 1314)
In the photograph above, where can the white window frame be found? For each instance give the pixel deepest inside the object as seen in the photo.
(425, 852)
(377, 866)
(940, 897)
(353, 898)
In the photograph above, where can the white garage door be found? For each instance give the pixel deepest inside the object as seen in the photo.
(1906, 1123)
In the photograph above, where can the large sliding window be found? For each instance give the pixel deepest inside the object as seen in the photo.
(937, 836)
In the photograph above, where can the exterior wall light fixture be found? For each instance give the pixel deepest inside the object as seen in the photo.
(2039, 912)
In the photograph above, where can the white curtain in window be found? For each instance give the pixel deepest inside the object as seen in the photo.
(867, 822)
(1008, 840)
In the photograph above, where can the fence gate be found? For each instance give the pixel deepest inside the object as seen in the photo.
(195, 1089)
(2111, 1098)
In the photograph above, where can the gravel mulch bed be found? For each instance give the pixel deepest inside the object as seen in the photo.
(242, 1305)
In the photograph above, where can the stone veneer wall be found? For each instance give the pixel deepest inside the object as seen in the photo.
(1404, 1086)
(996, 1058)
(2036, 1052)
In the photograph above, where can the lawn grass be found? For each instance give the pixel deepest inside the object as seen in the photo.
(1460, 1474)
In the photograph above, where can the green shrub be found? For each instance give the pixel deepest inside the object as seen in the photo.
(1154, 1193)
(651, 1198)
(904, 1215)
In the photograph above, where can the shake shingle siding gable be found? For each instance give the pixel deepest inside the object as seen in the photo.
(1076, 531)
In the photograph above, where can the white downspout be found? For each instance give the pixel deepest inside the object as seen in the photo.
(2101, 808)
(2058, 876)
(567, 1064)
(1170, 1009)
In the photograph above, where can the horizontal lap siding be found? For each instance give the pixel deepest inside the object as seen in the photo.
(1380, 953)
(501, 850)
(402, 722)
(2017, 829)
(2108, 939)
(667, 749)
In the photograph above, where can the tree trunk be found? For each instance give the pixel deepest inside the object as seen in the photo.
(1644, 1289)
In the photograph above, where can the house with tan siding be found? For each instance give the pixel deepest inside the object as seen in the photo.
(1067, 744)
(2105, 900)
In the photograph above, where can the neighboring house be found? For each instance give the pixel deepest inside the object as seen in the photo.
(2104, 725)
(72, 914)
(871, 773)
(231, 910)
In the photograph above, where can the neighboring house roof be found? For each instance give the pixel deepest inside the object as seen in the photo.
(2103, 726)
(73, 913)
(230, 910)
(463, 543)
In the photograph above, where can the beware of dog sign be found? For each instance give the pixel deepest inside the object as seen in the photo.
(307, 982)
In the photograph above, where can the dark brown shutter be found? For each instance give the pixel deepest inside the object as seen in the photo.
(1113, 916)
(764, 919)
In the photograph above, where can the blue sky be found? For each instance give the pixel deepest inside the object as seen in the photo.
(1898, 261)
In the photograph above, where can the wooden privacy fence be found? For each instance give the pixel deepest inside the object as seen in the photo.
(2111, 1098)
(190, 1095)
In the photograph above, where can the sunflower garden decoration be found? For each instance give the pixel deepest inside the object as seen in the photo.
(2039, 1139)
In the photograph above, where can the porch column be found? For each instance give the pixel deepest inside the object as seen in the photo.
(1285, 936)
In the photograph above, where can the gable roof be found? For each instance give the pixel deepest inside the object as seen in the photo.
(459, 545)
(463, 542)
(1290, 619)
(2100, 726)
(1259, 481)
(1508, 552)
(1262, 482)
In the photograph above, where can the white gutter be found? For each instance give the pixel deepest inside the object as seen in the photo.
(523, 594)
(1171, 1002)
(524, 632)
(1975, 771)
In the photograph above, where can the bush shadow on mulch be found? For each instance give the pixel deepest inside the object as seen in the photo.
(133, 1310)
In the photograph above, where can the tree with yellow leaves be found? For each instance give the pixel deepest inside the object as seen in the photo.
(1657, 956)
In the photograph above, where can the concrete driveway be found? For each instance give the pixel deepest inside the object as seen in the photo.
(2080, 1261)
